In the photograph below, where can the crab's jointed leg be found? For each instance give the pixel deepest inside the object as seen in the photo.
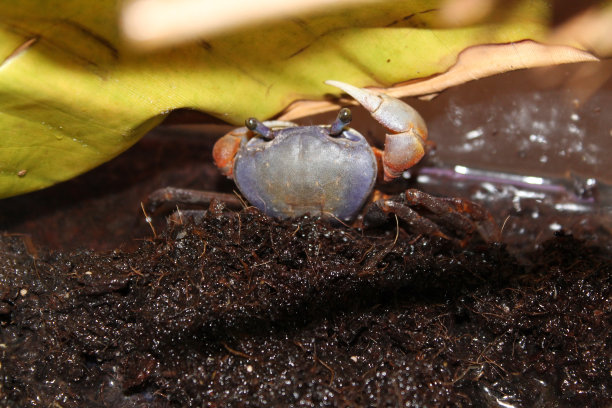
(175, 196)
(405, 145)
(452, 218)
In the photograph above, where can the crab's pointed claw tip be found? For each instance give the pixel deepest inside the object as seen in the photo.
(366, 98)
(391, 112)
(405, 145)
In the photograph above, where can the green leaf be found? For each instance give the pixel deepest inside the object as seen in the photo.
(73, 96)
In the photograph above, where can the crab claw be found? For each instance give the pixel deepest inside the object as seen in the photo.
(225, 150)
(405, 145)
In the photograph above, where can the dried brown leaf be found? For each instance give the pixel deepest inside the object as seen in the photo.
(473, 63)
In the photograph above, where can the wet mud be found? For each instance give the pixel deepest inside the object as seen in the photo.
(237, 308)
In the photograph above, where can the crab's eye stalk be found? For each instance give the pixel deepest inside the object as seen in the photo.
(259, 128)
(344, 118)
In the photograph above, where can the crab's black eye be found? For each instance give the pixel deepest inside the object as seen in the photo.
(344, 118)
(345, 115)
(251, 123)
(259, 128)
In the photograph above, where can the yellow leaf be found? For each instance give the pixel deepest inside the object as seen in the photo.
(73, 95)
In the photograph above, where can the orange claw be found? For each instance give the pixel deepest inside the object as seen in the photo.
(225, 150)
(400, 154)
(405, 146)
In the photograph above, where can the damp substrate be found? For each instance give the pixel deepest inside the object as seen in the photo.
(239, 309)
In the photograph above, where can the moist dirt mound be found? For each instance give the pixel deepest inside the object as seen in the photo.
(239, 309)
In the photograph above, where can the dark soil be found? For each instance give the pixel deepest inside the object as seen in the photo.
(238, 309)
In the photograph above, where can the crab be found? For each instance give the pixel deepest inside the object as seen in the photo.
(287, 170)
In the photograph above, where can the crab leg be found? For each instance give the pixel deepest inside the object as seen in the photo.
(405, 145)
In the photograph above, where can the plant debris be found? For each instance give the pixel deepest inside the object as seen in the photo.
(242, 309)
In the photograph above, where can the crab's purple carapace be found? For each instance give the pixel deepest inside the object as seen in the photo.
(287, 170)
